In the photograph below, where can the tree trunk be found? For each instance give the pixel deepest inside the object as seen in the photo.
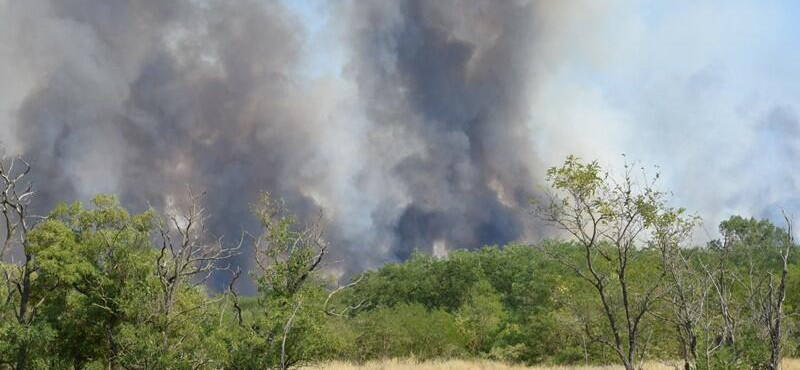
(22, 359)
(22, 354)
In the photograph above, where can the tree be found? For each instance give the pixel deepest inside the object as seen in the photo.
(184, 258)
(764, 250)
(85, 293)
(15, 198)
(745, 318)
(92, 269)
(613, 221)
(480, 317)
(288, 328)
(187, 257)
(772, 307)
(688, 291)
(407, 330)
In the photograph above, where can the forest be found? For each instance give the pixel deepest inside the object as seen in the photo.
(623, 279)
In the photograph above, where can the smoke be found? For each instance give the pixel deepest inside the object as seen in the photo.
(413, 124)
(446, 85)
(140, 98)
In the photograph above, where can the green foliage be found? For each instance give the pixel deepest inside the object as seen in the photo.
(407, 330)
(286, 324)
(34, 339)
(511, 304)
(480, 317)
(583, 179)
(793, 308)
(257, 344)
(97, 297)
(501, 300)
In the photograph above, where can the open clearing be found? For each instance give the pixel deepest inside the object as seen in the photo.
(793, 364)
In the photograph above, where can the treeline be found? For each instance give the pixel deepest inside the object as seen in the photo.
(96, 287)
(515, 304)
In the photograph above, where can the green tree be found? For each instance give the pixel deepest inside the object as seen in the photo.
(407, 331)
(611, 219)
(288, 323)
(749, 272)
(480, 317)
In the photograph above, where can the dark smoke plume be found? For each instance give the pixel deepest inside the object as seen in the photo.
(446, 85)
(140, 98)
(414, 124)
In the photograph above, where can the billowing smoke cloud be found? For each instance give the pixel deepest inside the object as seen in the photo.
(139, 98)
(447, 86)
(412, 124)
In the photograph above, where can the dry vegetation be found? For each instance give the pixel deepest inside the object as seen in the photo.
(789, 364)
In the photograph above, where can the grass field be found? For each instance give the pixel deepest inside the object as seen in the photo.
(793, 364)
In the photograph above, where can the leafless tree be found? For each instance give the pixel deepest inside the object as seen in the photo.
(689, 288)
(723, 279)
(285, 362)
(187, 256)
(748, 291)
(235, 295)
(16, 193)
(770, 300)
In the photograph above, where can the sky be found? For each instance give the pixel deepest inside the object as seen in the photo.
(412, 124)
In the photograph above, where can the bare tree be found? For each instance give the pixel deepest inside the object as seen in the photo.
(771, 302)
(187, 256)
(285, 362)
(689, 288)
(723, 279)
(235, 295)
(16, 193)
(747, 272)
(611, 222)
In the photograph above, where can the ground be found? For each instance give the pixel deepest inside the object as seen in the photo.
(793, 364)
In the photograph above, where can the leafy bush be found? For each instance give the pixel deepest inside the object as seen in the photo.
(407, 330)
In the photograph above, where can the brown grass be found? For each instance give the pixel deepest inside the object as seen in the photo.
(789, 364)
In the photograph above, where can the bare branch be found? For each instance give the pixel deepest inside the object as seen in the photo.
(187, 256)
(343, 312)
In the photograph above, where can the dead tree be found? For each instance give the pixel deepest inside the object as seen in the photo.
(16, 193)
(343, 312)
(723, 280)
(772, 301)
(235, 295)
(187, 256)
(688, 288)
(611, 222)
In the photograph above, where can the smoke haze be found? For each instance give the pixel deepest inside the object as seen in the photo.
(413, 124)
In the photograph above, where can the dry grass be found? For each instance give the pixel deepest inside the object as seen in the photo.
(792, 364)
